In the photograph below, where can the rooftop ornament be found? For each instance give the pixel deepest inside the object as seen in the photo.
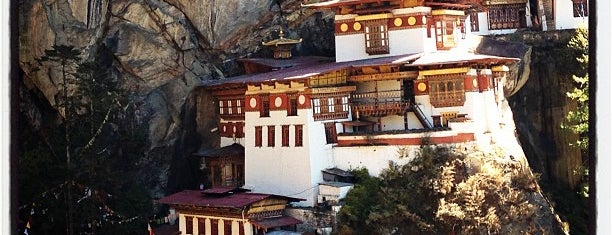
(282, 46)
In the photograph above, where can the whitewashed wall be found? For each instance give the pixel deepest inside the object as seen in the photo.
(407, 41)
(278, 170)
(392, 122)
(375, 158)
(564, 16)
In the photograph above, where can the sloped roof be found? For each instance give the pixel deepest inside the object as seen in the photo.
(337, 3)
(289, 63)
(308, 70)
(238, 200)
(234, 149)
(452, 57)
(274, 222)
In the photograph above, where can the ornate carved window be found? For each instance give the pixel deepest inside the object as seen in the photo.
(271, 138)
(326, 108)
(506, 17)
(285, 140)
(447, 92)
(474, 22)
(376, 37)
(581, 8)
(445, 32)
(299, 135)
(258, 136)
(231, 108)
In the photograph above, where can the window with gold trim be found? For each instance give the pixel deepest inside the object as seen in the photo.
(376, 37)
(447, 92)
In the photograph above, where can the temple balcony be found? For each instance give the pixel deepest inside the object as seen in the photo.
(458, 130)
(378, 104)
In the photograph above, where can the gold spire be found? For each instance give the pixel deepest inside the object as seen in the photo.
(282, 46)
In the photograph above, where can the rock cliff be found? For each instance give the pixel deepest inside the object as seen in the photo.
(159, 50)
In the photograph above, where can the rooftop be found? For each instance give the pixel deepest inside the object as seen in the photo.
(237, 200)
(234, 149)
(304, 68)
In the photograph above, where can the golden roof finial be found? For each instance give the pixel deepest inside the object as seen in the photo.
(282, 46)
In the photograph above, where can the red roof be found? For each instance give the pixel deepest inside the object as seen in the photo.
(337, 3)
(309, 70)
(274, 222)
(304, 72)
(238, 200)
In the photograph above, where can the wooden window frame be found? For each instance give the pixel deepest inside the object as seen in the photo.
(189, 224)
(506, 17)
(444, 92)
(474, 26)
(258, 136)
(292, 107)
(376, 34)
(445, 32)
(330, 107)
(271, 137)
(299, 135)
(579, 5)
(264, 111)
(285, 132)
(231, 108)
(331, 135)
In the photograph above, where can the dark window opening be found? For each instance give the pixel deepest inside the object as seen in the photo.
(285, 140)
(258, 136)
(298, 135)
(581, 8)
(271, 136)
(474, 27)
(331, 135)
(292, 108)
(265, 107)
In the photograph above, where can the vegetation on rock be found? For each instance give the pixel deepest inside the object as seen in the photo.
(445, 190)
(578, 120)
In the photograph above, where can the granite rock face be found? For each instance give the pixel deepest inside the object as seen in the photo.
(159, 50)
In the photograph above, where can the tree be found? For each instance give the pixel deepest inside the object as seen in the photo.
(100, 150)
(577, 121)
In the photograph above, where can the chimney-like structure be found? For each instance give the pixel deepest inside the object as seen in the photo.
(282, 46)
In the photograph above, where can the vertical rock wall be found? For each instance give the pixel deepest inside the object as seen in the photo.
(541, 105)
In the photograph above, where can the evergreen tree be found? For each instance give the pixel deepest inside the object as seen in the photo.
(87, 190)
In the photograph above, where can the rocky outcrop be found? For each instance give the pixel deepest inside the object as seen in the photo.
(159, 50)
(541, 105)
